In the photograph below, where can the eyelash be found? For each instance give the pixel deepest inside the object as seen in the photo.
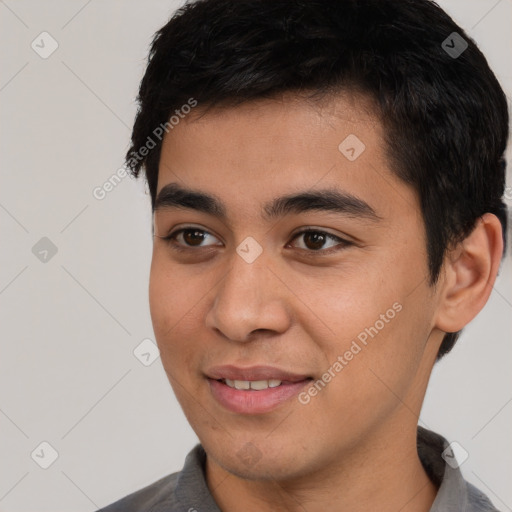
(170, 239)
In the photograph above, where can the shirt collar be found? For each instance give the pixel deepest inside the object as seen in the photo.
(452, 495)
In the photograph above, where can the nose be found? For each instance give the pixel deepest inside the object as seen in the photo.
(249, 300)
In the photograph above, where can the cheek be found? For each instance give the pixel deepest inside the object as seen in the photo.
(174, 294)
(174, 304)
(341, 303)
(380, 359)
(378, 325)
(172, 314)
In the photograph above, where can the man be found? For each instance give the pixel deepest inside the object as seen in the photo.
(326, 181)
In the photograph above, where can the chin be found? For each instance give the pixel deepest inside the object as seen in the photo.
(252, 461)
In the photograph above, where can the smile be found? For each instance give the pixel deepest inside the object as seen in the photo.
(257, 385)
(254, 397)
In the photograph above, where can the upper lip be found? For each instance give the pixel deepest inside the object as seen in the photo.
(253, 373)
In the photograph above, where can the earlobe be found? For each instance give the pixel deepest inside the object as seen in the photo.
(470, 270)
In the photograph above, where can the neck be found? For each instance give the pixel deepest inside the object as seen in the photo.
(385, 474)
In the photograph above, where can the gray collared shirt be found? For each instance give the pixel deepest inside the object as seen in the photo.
(186, 490)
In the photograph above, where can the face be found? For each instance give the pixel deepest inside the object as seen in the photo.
(298, 269)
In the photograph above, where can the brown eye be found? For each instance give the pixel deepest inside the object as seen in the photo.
(320, 241)
(314, 240)
(193, 237)
(190, 238)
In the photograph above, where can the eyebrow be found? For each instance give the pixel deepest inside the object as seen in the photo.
(173, 195)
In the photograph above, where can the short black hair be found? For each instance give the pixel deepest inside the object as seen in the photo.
(443, 111)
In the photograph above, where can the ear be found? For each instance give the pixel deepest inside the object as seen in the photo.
(470, 270)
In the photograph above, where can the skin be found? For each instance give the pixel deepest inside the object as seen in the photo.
(353, 446)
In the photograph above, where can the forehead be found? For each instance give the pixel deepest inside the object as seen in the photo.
(301, 123)
(250, 154)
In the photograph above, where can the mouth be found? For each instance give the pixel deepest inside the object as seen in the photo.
(254, 390)
(253, 374)
(258, 385)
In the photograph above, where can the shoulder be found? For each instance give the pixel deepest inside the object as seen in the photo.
(454, 492)
(148, 498)
(478, 501)
(183, 491)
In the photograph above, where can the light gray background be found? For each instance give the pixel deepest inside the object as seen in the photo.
(68, 374)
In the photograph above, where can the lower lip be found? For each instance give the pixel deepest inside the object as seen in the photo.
(251, 401)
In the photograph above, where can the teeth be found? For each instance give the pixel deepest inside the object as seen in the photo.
(242, 384)
(257, 385)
